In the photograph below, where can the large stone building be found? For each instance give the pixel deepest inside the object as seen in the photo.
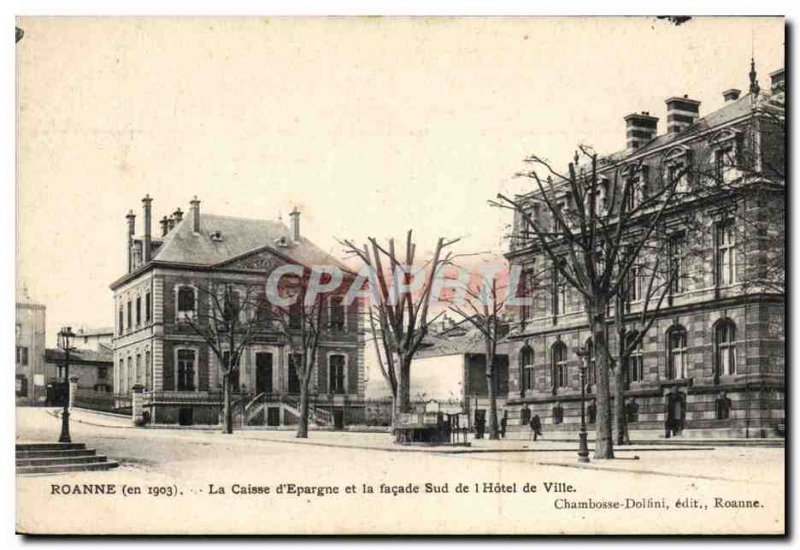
(712, 364)
(167, 282)
(29, 356)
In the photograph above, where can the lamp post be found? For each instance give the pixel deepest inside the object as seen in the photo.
(64, 336)
(583, 447)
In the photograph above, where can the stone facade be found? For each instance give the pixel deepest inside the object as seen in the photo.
(153, 342)
(724, 331)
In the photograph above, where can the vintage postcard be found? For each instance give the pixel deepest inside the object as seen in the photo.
(400, 275)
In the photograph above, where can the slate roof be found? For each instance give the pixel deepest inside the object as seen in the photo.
(103, 355)
(239, 236)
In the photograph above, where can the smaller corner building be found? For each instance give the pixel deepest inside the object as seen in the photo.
(155, 349)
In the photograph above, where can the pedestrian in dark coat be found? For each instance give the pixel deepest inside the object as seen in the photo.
(536, 427)
(503, 424)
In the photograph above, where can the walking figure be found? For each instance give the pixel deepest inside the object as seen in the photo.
(536, 427)
(503, 424)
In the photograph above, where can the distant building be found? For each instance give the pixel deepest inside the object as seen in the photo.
(452, 367)
(94, 370)
(155, 348)
(94, 338)
(29, 357)
(713, 363)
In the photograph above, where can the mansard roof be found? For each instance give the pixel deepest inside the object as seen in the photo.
(225, 238)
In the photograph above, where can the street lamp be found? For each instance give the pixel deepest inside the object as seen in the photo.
(583, 447)
(64, 336)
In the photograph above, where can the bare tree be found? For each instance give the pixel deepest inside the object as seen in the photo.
(228, 324)
(401, 315)
(596, 221)
(482, 306)
(300, 323)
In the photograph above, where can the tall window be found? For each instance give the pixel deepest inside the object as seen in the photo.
(294, 379)
(120, 324)
(635, 284)
(676, 267)
(185, 299)
(138, 310)
(22, 355)
(677, 176)
(559, 358)
(120, 376)
(527, 285)
(295, 315)
(726, 258)
(526, 368)
(591, 363)
(336, 373)
(148, 380)
(185, 370)
(722, 407)
(129, 374)
(724, 160)
(130, 315)
(635, 363)
(148, 308)
(725, 344)
(559, 291)
(337, 313)
(677, 366)
(138, 376)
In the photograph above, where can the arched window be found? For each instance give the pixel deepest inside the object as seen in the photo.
(722, 407)
(336, 373)
(677, 359)
(591, 363)
(526, 369)
(635, 363)
(725, 347)
(559, 358)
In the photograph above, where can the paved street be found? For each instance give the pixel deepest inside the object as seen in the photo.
(190, 461)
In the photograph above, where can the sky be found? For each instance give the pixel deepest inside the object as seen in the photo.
(370, 126)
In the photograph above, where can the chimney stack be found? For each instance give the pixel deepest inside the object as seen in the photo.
(777, 81)
(640, 128)
(170, 224)
(147, 241)
(178, 215)
(731, 95)
(295, 223)
(131, 217)
(682, 112)
(164, 226)
(195, 211)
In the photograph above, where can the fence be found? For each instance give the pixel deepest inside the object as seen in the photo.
(102, 401)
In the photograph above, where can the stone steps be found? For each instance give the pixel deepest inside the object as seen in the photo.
(48, 458)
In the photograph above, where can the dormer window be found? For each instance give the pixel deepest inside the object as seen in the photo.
(678, 168)
(727, 150)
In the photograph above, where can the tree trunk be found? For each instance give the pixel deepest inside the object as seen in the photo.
(404, 386)
(619, 405)
(227, 413)
(302, 426)
(604, 444)
(490, 381)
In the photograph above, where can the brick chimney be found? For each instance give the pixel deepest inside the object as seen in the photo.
(147, 240)
(640, 128)
(295, 223)
(131, 217)
(195, 212)
(178, 215)
(164, 226)
(682, 112)
(731, 95)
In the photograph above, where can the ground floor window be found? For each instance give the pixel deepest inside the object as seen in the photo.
(22, 386)
(336, 364)
(186, 366)
(558, 414)
(723, 408)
